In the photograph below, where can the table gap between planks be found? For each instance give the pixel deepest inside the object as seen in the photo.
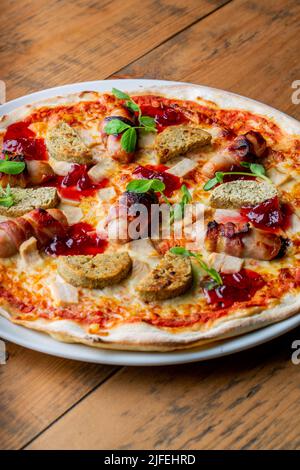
(249, 400)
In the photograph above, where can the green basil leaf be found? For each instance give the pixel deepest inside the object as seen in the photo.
(180, 250)
(157, 185)
(148, 129)
(144, 185)
(147, 121)
(115, 126)
(210, 285)
(257, 169)
(139, 186)
(210, 184)
(178, 211)
(6, 197)
(186, 195)
(7, 201)
(245, 164)
(219, 176)
(215, 276)
(128, 140)
(120, 94)
(133, 106)
(11, 167)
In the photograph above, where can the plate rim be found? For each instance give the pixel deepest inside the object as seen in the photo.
(47, 345)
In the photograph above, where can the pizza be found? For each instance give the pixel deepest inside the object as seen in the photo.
(152, 220)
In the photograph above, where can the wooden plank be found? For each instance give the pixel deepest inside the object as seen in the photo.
(55, 42)
(248, 47)
(36, 389)
(250, 400)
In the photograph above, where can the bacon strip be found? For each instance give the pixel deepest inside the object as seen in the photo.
(39, 223)
(113, 142)
(242, 241)
(244, 148)
(35, 173)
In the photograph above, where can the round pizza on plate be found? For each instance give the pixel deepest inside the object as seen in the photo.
(155, 219)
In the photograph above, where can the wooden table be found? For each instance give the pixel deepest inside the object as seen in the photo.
(250, 400)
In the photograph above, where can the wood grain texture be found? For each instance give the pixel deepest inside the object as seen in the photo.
(248, 47)
(250, 400)
(36, 389)
(56, 42)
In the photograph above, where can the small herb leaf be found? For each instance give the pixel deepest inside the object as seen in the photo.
(147, 121)
(179, 250)
(178, 212)
(11, 167)
(257, 169)
(128, 140)
(210, 184)
(115, 126)
(245, 164)
(186, 195)
(144, 185)
(219, 176)
(158, 185)
(215, 276)
(133, 106)
(120, 94)
(6, 197)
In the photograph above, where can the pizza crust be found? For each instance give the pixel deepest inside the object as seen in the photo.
(145, 337)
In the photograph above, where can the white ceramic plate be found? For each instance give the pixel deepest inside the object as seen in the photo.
(44, 343)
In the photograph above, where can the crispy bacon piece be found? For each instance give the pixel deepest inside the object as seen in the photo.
(245, 147)
(42, 224)
(242, 241)
(130, 207)
(36, 172)
(112, 141)
(257, 143)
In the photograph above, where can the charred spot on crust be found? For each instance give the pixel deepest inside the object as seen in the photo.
(285, 244)
(231, 230)
(129, 198)
(241, 146)
(212, 225)
(252, 144)
(258, 144)
(228, 230)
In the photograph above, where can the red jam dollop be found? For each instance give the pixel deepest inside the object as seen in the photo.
(20, 140)
(151, 172)
(270, 215)
(80, 239)
(77, 184)
(163, 115)
(237, 287)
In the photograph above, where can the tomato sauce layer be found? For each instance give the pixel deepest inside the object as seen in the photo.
(164, 114)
